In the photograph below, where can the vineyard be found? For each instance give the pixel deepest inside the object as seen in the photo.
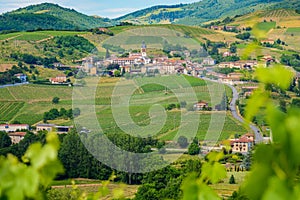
(153, 36)
(281, 13)
(8, 110)
(222, 126)
(37, 35)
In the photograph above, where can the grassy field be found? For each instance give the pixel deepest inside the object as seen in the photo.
(265, 27)
(295, 30)
(92, 186)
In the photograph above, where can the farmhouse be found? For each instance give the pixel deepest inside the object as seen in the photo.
(9, 128)
(60, 79)
(22, 77)
(243, 145)
(200, 105)
(53, 128)
(248, 90)
(16, 137)
(270, 41)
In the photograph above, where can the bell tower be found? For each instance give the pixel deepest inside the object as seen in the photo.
(144, 49)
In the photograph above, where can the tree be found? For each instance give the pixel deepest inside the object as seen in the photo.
(182, 141)
(55, 100)
(76, 112)
(193, 149)
(5, 140)
(233, 49)
(117, 73)
(232, 179)
(107, 54)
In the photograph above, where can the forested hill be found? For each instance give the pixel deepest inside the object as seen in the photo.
(203, 11)
(49, 16)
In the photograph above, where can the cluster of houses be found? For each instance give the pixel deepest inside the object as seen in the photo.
(221, 28)
(17, 132)
(140, 63)
(245, 64)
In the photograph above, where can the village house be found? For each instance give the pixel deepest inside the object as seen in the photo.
(227, 54)
(53, 128)
(208, 61)
(244, 64)
(270, 41)
(243, 145)
(60, 79)
(16, 137)
(201, 105)
(9, 128)
(22, 77)
(248, 90)
(231, 28)
(45, 127)
(217, 28)
(232, 78)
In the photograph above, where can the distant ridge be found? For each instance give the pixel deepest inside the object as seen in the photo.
(49, 16)
(203, 11)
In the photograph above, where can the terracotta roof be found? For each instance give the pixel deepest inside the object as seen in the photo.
(22, 134)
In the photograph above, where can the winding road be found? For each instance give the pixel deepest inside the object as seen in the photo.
(232, 106)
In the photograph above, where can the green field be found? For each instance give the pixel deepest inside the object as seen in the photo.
(265, 26)
(295, 31)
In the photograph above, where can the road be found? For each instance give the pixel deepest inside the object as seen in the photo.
(232, 107)
(16, 84)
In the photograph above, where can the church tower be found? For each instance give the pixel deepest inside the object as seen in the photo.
(144, 49)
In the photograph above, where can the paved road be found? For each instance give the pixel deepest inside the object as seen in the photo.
(16, 84)
(232, 106)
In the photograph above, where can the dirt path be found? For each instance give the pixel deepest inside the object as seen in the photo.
(78, 185)
(46, 39)
(11, 38)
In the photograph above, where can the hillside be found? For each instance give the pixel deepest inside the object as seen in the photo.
(49, 16)
(203, 11)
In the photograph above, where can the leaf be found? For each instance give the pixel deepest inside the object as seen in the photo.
(190, 188)
(213, 172)
(257, 100)
(278, 75)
